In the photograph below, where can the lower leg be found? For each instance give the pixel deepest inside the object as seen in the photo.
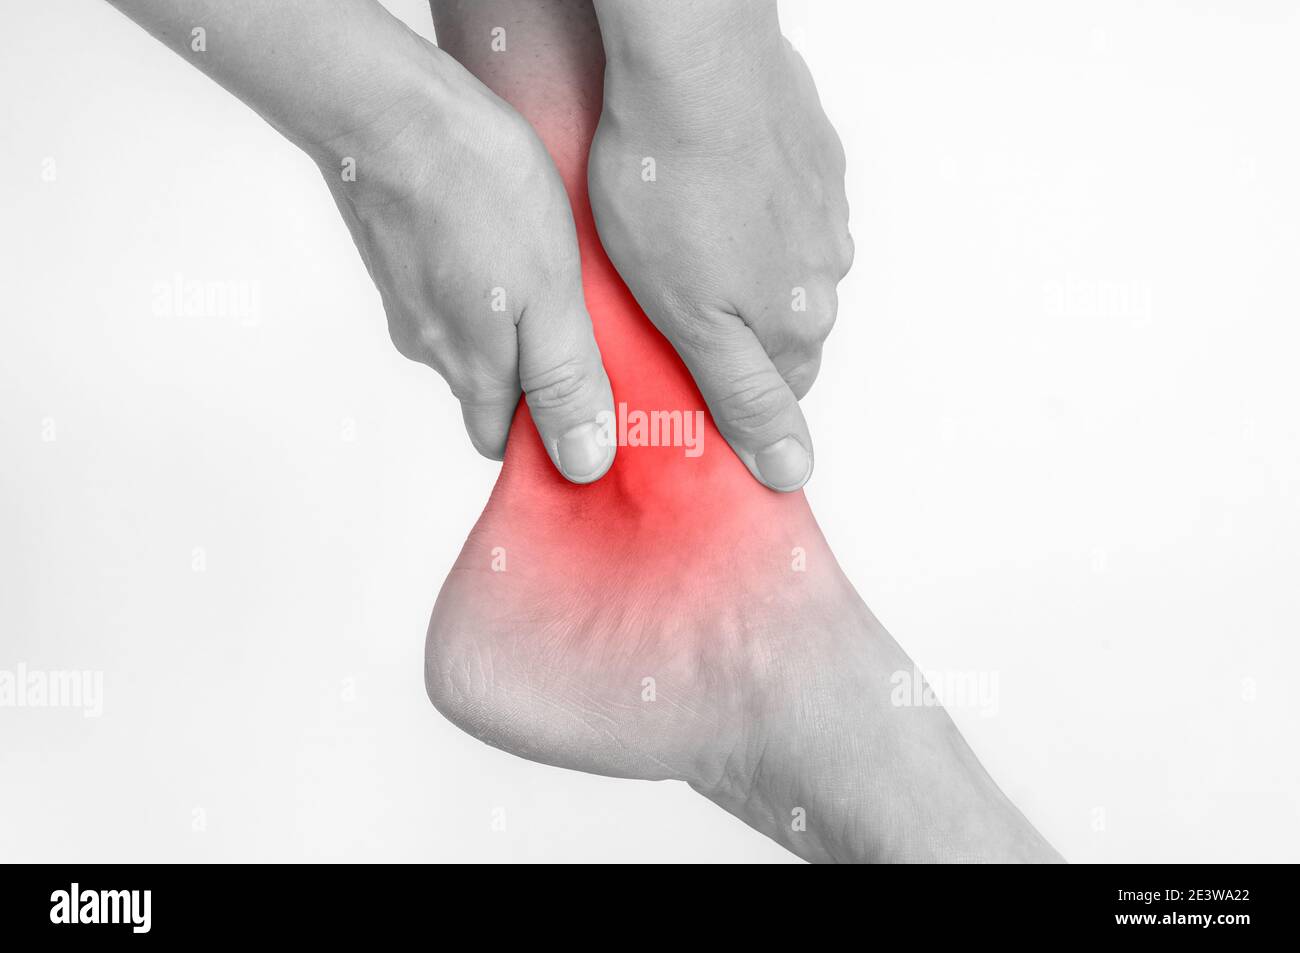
(676, 620)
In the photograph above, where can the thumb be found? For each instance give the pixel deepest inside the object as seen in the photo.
(568, 392)
(751, 403)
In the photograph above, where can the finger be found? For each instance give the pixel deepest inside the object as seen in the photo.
(750, 400)
(794, 341)
(568, 392)
(487, 420)
(799, 369)
(479, 360)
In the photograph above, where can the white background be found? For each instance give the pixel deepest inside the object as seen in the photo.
(1056, 441)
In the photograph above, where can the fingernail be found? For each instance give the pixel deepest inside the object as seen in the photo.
(583, 455)
(785, 465)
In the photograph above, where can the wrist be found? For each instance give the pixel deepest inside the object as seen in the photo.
(676, 45)
(378, 139)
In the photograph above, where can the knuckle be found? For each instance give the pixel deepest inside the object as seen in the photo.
(845, 251)
(800, 376)
(408, 344)
(475, 393)
(419, 341)
(691, 327)
(476, 386)
(755, 401)
(560, 385)
(820, 318)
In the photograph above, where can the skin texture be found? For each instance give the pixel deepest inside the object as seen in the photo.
(748, 177)
(458, 214)
(676, 620)
(454, 205)
(439, 230)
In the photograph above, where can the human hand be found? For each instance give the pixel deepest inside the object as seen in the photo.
(717, 183)
(453, 202)
(464, 225)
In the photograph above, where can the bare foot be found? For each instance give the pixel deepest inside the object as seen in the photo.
(677, 620)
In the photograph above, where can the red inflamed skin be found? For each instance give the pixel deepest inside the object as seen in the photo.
(677, 566)
(676, 619)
